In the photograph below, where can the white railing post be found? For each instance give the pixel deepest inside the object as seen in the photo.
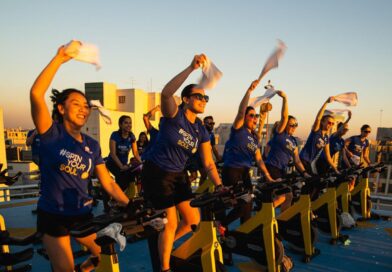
(387, 180)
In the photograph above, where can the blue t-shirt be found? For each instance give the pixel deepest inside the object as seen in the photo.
(310, 150)
(66, 166)
(282, 150)
(153, 138)
(336, 144)
(212, 138)
(178, 139)
(240, 149)
(34, 145)
(356, 146)
(123, 146)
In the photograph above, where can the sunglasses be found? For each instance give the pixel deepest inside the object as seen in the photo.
(331, 123)
(200, 97)
(210, 124)
(366, 131)
(293, 125)
(252, 115)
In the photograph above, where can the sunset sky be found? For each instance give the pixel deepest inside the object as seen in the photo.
(334, 46)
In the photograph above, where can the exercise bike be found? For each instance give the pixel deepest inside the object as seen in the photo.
(257, 238)
(360, 197)
(295, 224)
(324, 207)
(202, 251)
(145, 221)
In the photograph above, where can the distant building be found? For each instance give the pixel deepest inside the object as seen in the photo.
(3, 158)
(131, 102)
(15, 137)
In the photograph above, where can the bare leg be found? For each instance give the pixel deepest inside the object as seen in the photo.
(166, 238)
(59, 252)
(189, 216)
(95, 250)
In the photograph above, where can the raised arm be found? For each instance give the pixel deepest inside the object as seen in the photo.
(284, 116)
(147, 116)
(168, 104)
(340, 130)
(39, 110)
(316, 124)
(262, 117)
(239, 119)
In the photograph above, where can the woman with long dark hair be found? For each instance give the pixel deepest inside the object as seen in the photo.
(318, 140)
(68, 158)
(181, 134)
(241, 150)
(121, 143)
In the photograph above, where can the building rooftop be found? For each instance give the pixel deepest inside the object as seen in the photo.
(370, 248)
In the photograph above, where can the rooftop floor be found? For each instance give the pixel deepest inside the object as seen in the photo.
(370, 248)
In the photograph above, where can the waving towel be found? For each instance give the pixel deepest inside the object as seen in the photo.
(85, 52)
(336, 111)
(273, 60)
(255, 102)
(211, 75)
(102, 111)
(349, 99)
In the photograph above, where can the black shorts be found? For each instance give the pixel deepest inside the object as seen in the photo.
(231, 176)
(58, 225)
(275, 172)
(123, 178)
(164, 189)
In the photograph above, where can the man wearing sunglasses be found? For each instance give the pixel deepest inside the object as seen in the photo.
(358, 146)
(209, 124)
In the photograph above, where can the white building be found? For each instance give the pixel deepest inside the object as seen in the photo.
(131, 102)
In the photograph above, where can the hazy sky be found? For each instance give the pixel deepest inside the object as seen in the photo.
(333, 47)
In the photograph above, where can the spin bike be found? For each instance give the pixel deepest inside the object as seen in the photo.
(202, 251)
(295, 224)
(360, 196)
(324, 207)
(257, 238)
(145, 221)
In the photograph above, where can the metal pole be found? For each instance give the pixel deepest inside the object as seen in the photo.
(387, 180)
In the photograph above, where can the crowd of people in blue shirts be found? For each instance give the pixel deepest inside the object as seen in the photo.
(171, 155)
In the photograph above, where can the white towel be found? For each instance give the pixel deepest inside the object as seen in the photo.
(349, 99)
(336, 111)
(114, 232)
(273, 60)
(85, 52)
(102, 111)
(255, 102)
(211, 75)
